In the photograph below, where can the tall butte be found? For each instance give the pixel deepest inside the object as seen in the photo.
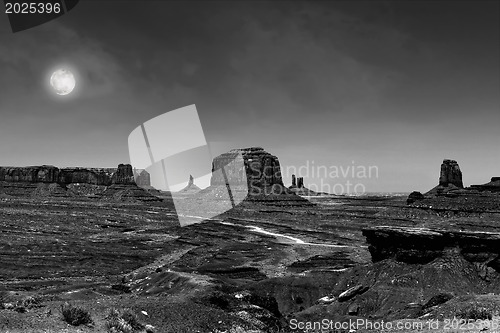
(450, 174)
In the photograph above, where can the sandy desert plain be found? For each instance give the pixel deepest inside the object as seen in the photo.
(274, 263)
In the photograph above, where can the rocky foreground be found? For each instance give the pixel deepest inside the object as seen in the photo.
(271, 260)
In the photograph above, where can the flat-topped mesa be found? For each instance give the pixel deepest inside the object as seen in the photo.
(258, 170)
(50, 174)
(450, 174)
(492, 186)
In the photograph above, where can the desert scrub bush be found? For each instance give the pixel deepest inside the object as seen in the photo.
(75, 316)
(30, 302)
(124, 321)
(475, 312)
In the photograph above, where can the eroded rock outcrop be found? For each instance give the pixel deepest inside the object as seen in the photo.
(450, 195)
(298, 187)
(253, 167)
(191, 186)
(239, 177)
(450, 174)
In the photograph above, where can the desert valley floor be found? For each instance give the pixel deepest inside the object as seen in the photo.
(251, 269)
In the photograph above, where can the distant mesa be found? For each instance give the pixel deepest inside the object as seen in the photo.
(48, 180)
(492, 186)
(74, 175)
(451, 186)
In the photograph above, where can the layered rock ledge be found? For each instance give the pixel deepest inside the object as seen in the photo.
(423, 245)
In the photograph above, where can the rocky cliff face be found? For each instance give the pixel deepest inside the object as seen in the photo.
(253, 167)
(450, 174)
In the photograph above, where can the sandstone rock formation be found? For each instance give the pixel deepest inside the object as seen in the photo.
(123, 175)
(257, 170)
(191, 186)
(297, 182)
(47, 180)
(241, 176)
(492, 186)
(65, 176)
(450, 174)
(450, 194)
(298, 187)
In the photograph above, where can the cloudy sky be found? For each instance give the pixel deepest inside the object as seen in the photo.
(397, 85)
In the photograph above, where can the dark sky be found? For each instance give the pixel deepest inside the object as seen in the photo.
(397, 85)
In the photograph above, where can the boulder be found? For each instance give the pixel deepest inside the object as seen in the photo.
(353, 309)
(351, 292)
(414, 196)
(326, 300)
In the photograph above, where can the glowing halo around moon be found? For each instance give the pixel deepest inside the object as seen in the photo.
(62, 81)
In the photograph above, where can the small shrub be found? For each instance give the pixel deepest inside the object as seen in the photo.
(124, 321)
(75, 316)
(475, 312)
(131, 318)
(30, 302)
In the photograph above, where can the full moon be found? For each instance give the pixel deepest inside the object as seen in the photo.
(63, 81)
